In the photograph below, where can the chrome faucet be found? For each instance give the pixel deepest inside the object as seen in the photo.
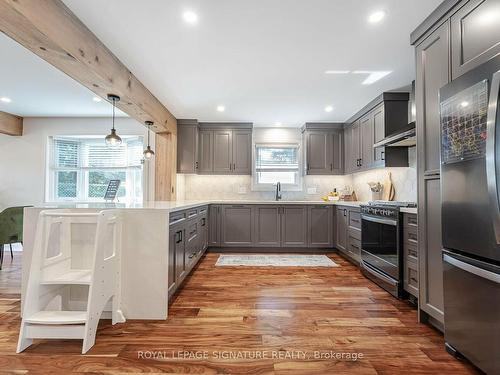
(278, 191)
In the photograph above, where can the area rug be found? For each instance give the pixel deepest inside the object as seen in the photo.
(258, 260)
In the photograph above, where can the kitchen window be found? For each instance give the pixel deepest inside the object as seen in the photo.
(80, 168)
(277, 163)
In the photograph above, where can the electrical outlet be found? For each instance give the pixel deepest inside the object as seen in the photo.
(242, 189)
(311, 190)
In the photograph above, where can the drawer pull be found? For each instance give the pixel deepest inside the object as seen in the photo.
(414, 280)
(355, 220)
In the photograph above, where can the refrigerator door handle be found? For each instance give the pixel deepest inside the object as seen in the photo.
(472, 269)
(491, 174)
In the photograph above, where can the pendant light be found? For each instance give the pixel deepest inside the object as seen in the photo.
(113, 139)
(148, 153)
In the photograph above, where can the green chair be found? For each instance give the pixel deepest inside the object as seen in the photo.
(11, 229)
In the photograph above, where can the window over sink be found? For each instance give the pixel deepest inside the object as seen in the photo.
(275, 163)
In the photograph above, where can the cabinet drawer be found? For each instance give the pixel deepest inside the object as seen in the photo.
(410, 220)
(411, 252)
(411, 278)
(354, 233)
(354, 219)
(203, 210)
(177, 217)
(191, 213)
(410, 235)
(354, 248)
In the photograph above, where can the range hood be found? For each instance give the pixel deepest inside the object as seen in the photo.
(406, 137)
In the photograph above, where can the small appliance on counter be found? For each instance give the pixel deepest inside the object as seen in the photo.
(381, 244)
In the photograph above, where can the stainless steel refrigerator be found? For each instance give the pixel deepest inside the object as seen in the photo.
(470, 182)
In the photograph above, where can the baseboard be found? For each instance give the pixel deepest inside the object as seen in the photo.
(271, 250)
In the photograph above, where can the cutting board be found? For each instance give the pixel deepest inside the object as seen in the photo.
(388, 191)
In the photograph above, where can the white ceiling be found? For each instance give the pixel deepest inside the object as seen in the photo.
(264, 60)
(37, 89)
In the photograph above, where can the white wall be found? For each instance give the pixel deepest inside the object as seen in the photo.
(23, 159)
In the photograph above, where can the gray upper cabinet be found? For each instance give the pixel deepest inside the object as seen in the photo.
(206, 151)
(187, 146)
(321, 226)
(237, 225)
(223, 151)
(348, 167)
(384, 115)
(475, 32)
(432, 73)
(378, 135)
(367, 130)
(318, 152)
(324, 149)
(294, 226)
(268, 226)
(242, 152)
(214, 148)
(356, 147)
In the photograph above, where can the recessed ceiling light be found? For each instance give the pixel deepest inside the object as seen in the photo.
(96, 99)
(464, 104)
(190, 17)
(5, 99)
(337, 72)
(221, 108)
(278, 123)
(376, 17)
(373, 75)
(328, 108)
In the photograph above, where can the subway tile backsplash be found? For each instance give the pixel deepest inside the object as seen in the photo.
(196, 187)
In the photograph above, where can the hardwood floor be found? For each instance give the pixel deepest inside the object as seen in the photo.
(274, 313)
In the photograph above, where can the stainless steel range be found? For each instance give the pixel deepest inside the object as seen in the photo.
(381, 249)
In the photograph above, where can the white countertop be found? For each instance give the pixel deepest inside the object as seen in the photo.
(172, 206)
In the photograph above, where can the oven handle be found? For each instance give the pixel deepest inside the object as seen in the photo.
(377, 274)
(379, 220)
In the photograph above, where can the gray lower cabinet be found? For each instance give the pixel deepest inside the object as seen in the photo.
(348, 232)
(320, 223)
(341, 228)
(237, 222)
(475, 35)
(268, 226)
(214, 220)
(433, 72)
(410, 254)
(294, 226)
(188, 239)
(429, 248)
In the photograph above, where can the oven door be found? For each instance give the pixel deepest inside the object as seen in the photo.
(379, 244)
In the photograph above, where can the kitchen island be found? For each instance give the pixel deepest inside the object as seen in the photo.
(146, 237)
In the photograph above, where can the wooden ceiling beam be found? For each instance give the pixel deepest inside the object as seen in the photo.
(50, 30)
(11, 124)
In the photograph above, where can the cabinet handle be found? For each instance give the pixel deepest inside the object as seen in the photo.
(361, 162)
(203, 222)
(308, 166)
(345, 212)
(179, 239)
(355, 246)
(355, 220)
(331, 167)
(382, 155)
(196, 165)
